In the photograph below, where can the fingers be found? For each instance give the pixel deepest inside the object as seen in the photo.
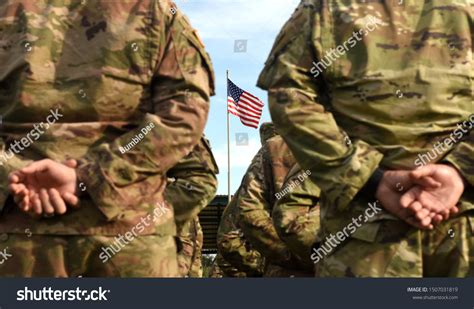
(422, 214)
(424, 199)
(71, 163)
(71, 199)
(21, 198)
(47, 203)
(437, 219)
(427, 182)
(409, 197)
(36, 203)
(445, 214)
(431, 202)
(57, 201)
(16, 177)
(425, 225)
(16, 188)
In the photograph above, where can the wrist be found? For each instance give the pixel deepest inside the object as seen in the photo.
(372, 186)
(457, 172)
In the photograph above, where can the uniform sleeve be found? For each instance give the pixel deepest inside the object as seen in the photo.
(255, 214)
(301, 110)
(462, 158)
(296, 216)
(195, 182)
(233, 246)
(181, 87)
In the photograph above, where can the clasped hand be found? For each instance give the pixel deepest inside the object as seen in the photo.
(45, 188)
(423, 197)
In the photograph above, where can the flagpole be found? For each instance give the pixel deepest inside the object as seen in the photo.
(228, 138)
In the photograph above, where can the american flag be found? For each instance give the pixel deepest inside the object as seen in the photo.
(244, 105)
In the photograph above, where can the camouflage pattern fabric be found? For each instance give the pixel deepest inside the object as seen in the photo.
(191, 187)
(129, 84)
(267, 131)
(296, 215)
(88, 256)
(225, 269)
(401, 81)
(116, 71)
(192, 183)
(190, 239)
(401, 251)
(236, 257)
(216, 271)
(196, 269)
(261, 184)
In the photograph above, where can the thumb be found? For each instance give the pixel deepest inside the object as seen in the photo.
(35, 167)
(425, 171)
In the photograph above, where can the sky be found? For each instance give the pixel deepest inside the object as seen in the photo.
(220, 24)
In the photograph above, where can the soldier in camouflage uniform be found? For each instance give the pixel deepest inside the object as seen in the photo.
(129, 85)
(190, 239)
(192, 185)
(259, 191)
(362, 92)
(236, 256)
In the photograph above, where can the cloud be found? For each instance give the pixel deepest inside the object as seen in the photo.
(237, 19)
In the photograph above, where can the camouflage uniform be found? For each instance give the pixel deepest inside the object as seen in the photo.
(262, 182)
(298, 227)
(196, 269)
(401, 81)
(221, 268)
(117, 72)
(190, 239)
(216, 271)
(192, 185)
(236, 256)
